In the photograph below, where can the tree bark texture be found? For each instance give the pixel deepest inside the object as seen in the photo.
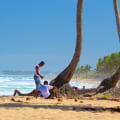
(109, 83)
(117, 16)
(65, 76)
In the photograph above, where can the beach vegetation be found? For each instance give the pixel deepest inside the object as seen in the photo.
(108, 64)
(104, 67)
(84, 69)
(105, 95)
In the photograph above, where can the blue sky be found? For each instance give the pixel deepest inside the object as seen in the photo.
(35, 30)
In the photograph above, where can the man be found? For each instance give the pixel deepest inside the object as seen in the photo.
(43, 89)
(37, 74)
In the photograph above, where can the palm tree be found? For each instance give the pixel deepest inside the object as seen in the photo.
(117, 16)
(65, 76)
(87, 69)
(113, 80)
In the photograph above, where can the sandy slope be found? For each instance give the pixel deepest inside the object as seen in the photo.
(44, 109)
(88, 80)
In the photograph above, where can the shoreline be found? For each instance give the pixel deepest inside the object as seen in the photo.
(88, 80)
(88, 83)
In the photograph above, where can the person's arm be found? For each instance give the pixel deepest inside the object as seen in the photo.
(54, 89)
(36, 93)
(37, 71)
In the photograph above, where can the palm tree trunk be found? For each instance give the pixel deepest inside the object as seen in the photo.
(111, 82)
(66, 75)
(62, 80)
(117, 16)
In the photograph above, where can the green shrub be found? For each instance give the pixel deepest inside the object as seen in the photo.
(105, 95)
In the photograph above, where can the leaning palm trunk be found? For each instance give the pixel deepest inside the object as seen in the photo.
(65, 76)
(117, 16)
(109, 83)
(113, 80)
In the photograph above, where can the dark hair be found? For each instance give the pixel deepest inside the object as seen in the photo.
(42, 63)
(45, 82)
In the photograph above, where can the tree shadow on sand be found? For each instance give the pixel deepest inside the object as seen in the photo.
(62, 107)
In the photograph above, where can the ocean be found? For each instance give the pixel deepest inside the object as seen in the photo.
(25, 83)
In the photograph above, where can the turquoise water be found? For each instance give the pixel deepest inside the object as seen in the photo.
(25, 83)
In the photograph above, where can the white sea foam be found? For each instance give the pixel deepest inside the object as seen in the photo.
(81, 84)
(8, 83)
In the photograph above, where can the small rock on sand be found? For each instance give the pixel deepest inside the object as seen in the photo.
(76, 100)
(81, 101)
(12, 99)
(27, 98)
(60, 99)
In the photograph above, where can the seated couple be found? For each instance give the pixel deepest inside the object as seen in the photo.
(43, 90)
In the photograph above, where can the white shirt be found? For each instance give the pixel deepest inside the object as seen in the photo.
(44, 89)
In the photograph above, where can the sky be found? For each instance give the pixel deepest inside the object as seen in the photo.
(36, 30)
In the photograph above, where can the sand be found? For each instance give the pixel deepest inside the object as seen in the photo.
(88, 80)
(30, 108)
(84, 108)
